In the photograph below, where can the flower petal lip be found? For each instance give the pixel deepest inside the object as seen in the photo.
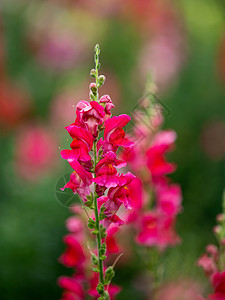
(85, 176)
(115, 122)
(80, 134)
(110, 158)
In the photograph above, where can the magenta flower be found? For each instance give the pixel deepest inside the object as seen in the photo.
(36, 152)
(74, 289)
(157, 230)
(107, 102)
(121, 192)
(80, 180)
(156, 162)
(169, 199)
(111, 243)
(209, 261)
(81, 145)
(90, 115)
(106, 173)
(74, 254)
(114, 134)
(218, 282)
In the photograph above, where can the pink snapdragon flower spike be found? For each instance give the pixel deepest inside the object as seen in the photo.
(102, 189)
(156, 201)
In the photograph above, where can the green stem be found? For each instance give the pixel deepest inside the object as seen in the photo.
(97, 52)
(101, 274)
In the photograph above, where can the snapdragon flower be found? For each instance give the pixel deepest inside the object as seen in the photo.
(102, 189)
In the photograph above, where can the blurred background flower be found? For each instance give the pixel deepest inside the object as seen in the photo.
(46, 49)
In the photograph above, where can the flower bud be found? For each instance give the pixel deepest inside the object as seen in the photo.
(105, 99)
(101, 80)
(97, 49)
(100, 288)
(220, 218)
(93, 73)
(94, 259)
(93, 88)
(109, 274)
(91, 223)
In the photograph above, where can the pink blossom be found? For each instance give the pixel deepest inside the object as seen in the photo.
(114, 134)
(106, 173)
(81, 145)
(157, 230)
(209, 261)
(121, 192)
(36, 152)
(15, 105)
(156, 162)
(111, 243)
(136, 193)
(74, 254)
(74, 289)
(185, 289)
(108, 106)
(80, 180)
(90, 116)
(76, 226)
(169, 199)
(218, 282)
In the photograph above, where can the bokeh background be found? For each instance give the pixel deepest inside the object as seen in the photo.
(46, 53)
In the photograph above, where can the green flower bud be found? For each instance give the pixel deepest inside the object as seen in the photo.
(101, 80)
(100, 288)
(93, 73)
(94, 259)
(91, 223)
(93, 88)
(109, 274)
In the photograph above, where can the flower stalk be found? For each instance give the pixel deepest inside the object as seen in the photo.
(98, 236)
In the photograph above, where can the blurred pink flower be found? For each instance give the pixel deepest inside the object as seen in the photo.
(162, 57)
(180, 290)
(102, 8)
(209, 261)
(55, 35)
(74, 255)
(36, 152)
(157, 229)
(74, 289)
(15, 105)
